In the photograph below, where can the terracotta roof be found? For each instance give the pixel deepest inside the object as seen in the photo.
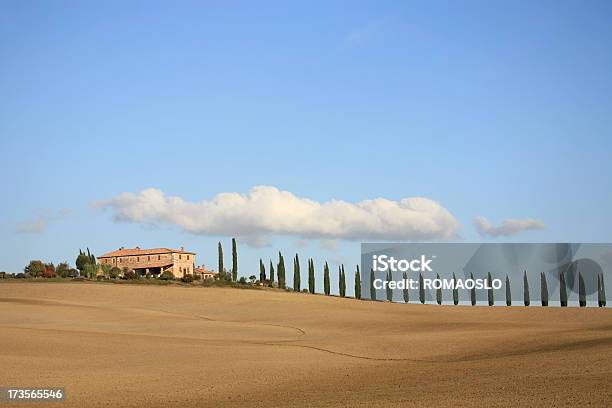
(202, 270)
(138, 251)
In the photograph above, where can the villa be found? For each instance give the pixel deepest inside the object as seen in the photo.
(154, 261)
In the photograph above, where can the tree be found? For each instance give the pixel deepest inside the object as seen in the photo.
(372, 288)
(562, 289)
(525, 289)
(35, 269)
(311, 276)
(90, 270)
(49, 271)
(92, 258)
(262, 271)
(598, 291)
(455, 291)
(234, 260)
(115, 272)
(342, 281)
(389, 290)
(472, 291)
(421, 289)
(252, 279)
(405, 290)
(81, 261)
(603, 291)
(490, 289)
(63, 269)
(508, 292)
(220, 252)
(297, 281)
(271, 274)
(326, 286)
(439, 291)
(543, 289)
(281, 271)
(357, 284)
(581, 290)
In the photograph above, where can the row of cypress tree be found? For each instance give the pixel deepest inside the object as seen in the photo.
(544, 295)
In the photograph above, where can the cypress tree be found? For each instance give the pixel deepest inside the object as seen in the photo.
(405, 290)
(271, 274)
(220, 251)
(544, 289)
(357, 284)
(598, 291)
(311, 276)
(281, 271)
(455, 291)
(603, 291)
(262, 271)
(438, 291)
(343, 285)
(525, 289)
(581, 290)
(508, 292)
(297, 279)
(234, 261)
(421, 289)
(372, 289)
(326, 287)
(389, 290)
(340, 280)
(562, 289)
(472, 291)
(490, 289)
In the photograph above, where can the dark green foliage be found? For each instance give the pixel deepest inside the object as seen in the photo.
(526, 289)
(508, 292)
(357, 284)
(490, 289)
(372, 289)
(455, 292)
(543, 289)
(405, 290)
(326, 285)
(92, 258)
(281, 272)
(297, 280)
(262, 271)
(234, 260)
(311, 276)
(129, 275)
(598, 291)
(562, 289)
(166, 276)
(81, 261)
(472, 292)
(220, 252)
(421, 289)
(34, 269)
(438, 292)
(271, 274)
(389, 290)
(342, 281)
(603, 291)
(581, 290)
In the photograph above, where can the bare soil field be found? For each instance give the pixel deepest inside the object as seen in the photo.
(158, 346)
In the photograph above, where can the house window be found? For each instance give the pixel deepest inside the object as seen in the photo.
(158, 257)
(148, 258)
(187, 257)
(137, 259)
(114, 260)
(180, 256)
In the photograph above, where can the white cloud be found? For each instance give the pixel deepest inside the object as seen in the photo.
(508, 227)
(266, 211)
(39, 223)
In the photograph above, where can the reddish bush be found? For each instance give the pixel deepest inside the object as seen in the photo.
(49, 271)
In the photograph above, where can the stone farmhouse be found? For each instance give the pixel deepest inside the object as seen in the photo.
(154, 261)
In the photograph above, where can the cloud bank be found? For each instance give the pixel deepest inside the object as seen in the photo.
(38, 225)
(508, 227)
(267, 211)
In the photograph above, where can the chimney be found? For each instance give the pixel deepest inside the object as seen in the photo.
(182, 249)
(137, 247)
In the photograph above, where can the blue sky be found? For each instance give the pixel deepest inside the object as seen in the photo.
(493, 109)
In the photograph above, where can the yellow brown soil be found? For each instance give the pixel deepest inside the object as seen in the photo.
(154, 346)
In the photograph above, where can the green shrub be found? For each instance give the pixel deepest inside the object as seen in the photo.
(129, 275)
(187, 279)
(167, 275)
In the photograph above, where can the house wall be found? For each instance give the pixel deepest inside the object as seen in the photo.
(182, 264)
